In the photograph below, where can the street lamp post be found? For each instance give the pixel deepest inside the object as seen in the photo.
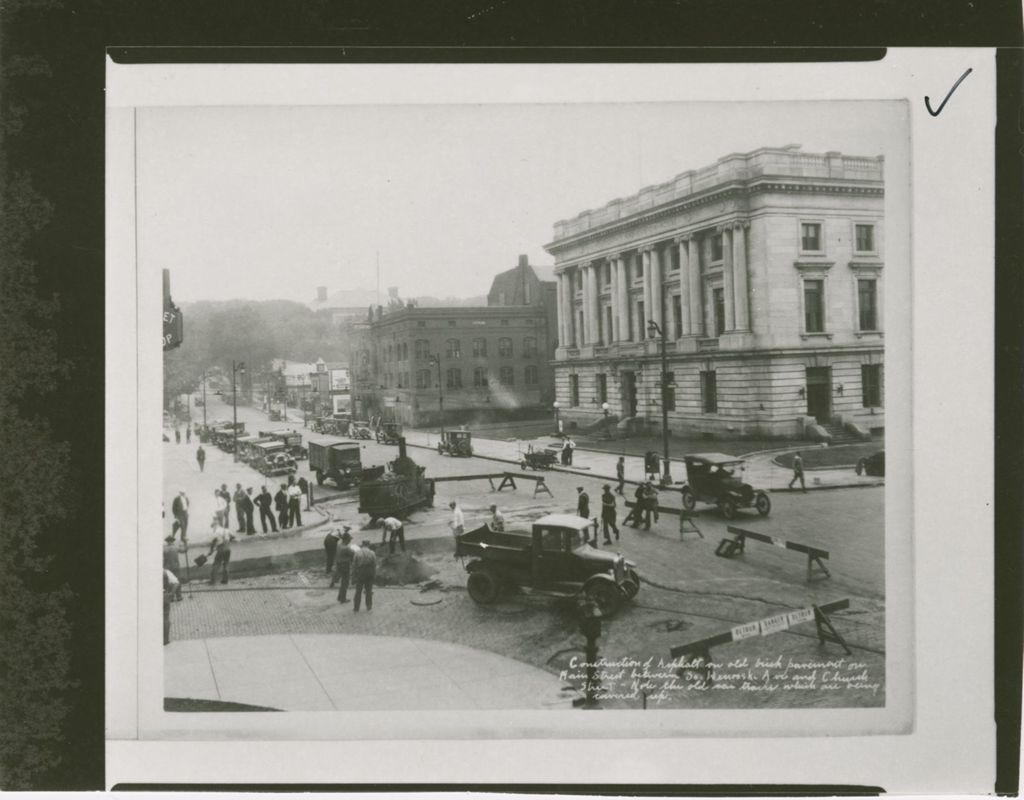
(204, 399)
(436, 360)
(236, 368)
(652, 329)
(558, 427)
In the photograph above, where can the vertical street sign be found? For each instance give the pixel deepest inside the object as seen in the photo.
(174, 328)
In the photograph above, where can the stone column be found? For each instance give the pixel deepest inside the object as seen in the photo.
(727, 289)
(613, 300)
(691, 245)
(657, 301)
(686, 321)
(622, 299)
(595, 305)
(739, 269)
(560, 308)
(585, 307)
(570, 308)
(645, 255)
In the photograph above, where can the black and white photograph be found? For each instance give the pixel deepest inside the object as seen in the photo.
(522, 407)
(472, 416)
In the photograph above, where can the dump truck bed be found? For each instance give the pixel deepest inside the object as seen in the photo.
(512, 549)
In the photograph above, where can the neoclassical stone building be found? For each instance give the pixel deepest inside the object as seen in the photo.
(764, 270)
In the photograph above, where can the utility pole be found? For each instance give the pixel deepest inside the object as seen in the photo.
(436, 359)
(235, 368)
(204, 399)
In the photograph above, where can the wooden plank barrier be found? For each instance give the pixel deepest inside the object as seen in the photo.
(727, 548)
(686, 518)
(507, 479)
(700, 650)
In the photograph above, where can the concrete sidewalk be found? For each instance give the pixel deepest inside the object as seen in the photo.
(346, 672)
(760, 470)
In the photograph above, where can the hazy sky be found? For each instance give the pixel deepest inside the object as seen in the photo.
(265, 203)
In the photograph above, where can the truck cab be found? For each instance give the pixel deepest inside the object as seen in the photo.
(554, 558)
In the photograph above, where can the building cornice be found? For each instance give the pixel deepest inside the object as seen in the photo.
(734, 189)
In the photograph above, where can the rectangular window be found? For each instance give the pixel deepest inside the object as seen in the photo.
(421, 324)
(422, 379)
(867, 302)
(507, 376)
(505, 347)
(641, 321)
(716, 248)
(814, 306)
(673, 257)
(530, 375)
(709, 392)
(677, 316)
(579, 330)
(451, 323)
(871, 384)
(718, 300)
(670, 391)
(480, 348)
(607, 272)
(454, 378)
(865, 235)
(530, 347)
(639, 271)
(504, 322)
(453, 348)
(480, 377)
(810, 236)
(608, 323)
(574, 390)
(602, 388)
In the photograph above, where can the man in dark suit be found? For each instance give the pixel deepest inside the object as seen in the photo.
(247, 509)
(583, 503)
(239, 499)
(265, 502)
(281, 504)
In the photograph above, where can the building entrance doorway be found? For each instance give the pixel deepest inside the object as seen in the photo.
(819, 393)
(627, 385)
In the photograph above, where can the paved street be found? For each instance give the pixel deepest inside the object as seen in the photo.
(688, 593)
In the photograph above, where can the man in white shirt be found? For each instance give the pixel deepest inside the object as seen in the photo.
(458, 523)
(497, 522)
(294, 503)
(394, 531)
(570, 446)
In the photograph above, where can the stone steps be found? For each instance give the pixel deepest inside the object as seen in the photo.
(840, 435)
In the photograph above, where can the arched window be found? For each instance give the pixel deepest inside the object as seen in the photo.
(505, 347)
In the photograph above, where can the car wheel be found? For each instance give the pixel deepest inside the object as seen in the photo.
(689, 500)
(482, 586)
(728, 507)
(861, 466)
(319, 478)
(763, 504)
(605, 596)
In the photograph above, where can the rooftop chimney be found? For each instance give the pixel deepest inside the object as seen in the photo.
(321, 293)
(524, 261)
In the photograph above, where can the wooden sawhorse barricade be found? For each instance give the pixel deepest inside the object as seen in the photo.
(701, 649)
(507, 479)
(686, 518)
(727, 548)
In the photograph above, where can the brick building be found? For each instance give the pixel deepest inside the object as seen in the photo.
(764, 270)
(494, 361)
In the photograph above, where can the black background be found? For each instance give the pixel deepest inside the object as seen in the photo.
(64, 155)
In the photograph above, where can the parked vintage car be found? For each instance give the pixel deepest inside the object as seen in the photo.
(292, 440)
(335, 425)
(339, 462)
(389, 432)
(554, 558)
(711, 478)
(245, 446)
(456, 443)
(271, 458)
(224, 436)
(872, 465)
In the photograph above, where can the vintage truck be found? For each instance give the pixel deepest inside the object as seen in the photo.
(339, 462)
(553, 559)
